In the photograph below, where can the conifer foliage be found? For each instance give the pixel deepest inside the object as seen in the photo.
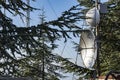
(109, 35)
(27, 51)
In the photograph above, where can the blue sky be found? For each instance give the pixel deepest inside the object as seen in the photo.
(53, 8)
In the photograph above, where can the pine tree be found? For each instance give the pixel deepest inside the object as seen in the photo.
(21, 49)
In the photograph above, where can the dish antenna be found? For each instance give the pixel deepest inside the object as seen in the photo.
(28, 15)
(93, 17)
(89, 41)
(88, 48)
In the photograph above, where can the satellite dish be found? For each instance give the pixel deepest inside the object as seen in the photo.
(93, 17)
(88, 48)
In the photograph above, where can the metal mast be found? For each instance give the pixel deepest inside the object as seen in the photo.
(28, 15)
(42, 18)
(5, 9)
(98, 43)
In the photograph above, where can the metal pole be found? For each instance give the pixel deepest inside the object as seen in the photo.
(43, 67)
(98, 43)
(5, 9)
(28, 15)
(98, 54)
(97, 3)
(43, 54)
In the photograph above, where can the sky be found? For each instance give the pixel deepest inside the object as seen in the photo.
(53, 9)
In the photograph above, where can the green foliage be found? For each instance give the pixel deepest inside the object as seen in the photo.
(86, 3)
(109, 36)
(24, 49)
(15, 39)
(15, 6)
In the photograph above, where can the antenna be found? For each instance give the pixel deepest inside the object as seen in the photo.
(28, 15)
(42, 19)
(93, 21)
(5, 9)
(88, 48)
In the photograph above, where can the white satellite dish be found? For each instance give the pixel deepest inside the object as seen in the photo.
(88, 48)
(93, 17)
